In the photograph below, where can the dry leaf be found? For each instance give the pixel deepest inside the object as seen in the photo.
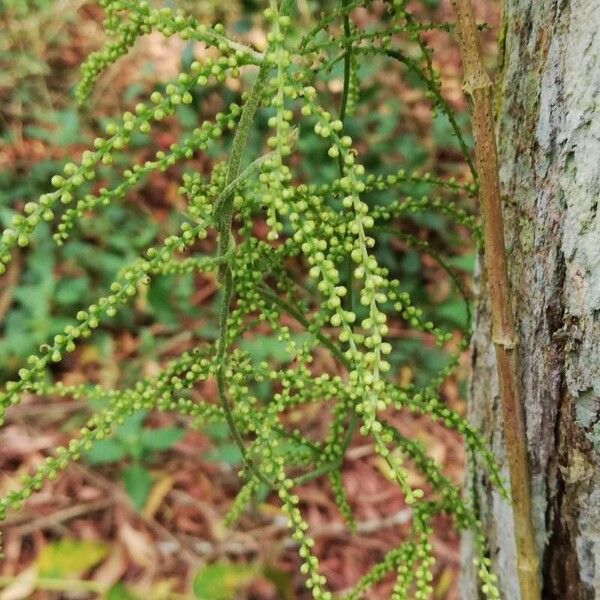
(22, 587)
(157, 494)
(139, 546)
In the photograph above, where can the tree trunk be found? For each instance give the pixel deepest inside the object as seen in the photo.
(549, 144)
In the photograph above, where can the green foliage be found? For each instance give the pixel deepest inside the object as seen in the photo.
(120, 592)
(31, 29)
(226, 451)
(132, 441)
(328, 227)
(69, 558)
(221, 581)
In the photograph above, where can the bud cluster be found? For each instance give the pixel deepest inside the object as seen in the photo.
(312, 280)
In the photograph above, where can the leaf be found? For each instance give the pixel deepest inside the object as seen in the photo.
(65, 128)
(131, 426)
(229, 454)
(120, 592)
(443, 134)
(137, 482)
(465, 263)
(68, 558)
(161, 439)
(105, 452)
(157, 494)
(187, 116)
(139, 546)
(169, 296)
(22, 587)
(452, 312)
(217, 432)
(70, 290)
(263, 347)
(220, 581)
(68, 128)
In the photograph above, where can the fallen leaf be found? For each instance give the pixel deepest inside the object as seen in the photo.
(220, 581)
(444, 583)
(157, 494)
(113, 568)
(139, 546)
(22, 587)
(68, 558)
(163, 589)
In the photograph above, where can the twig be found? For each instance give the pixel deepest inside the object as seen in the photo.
(115, 494)
(119, 495)
(253, 541)
(31, 410)
(478, 87)
(225, 217)
(52, 520)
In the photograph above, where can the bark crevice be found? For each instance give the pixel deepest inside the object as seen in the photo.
(549, 144)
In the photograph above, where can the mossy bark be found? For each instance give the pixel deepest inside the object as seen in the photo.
(549, 149)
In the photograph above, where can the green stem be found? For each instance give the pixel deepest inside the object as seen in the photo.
(433, 88)
(342, 117)
(226, 196)
(349, 300)
(347, 75)
(347, 64)
(225, 215)
(322, 470)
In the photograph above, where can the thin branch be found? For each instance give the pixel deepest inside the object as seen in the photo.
(53, 520)
(478, 87)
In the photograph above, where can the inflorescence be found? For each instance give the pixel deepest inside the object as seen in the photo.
(330, 228)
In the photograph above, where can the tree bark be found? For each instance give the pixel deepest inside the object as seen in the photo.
(549, 149)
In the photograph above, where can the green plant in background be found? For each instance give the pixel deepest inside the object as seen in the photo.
(30, 30)
(327, 227)
(131, 440)
(48, 284)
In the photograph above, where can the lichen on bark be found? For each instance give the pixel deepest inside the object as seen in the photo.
(549, 144)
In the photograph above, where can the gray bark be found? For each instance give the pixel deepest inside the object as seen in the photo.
(549, 147)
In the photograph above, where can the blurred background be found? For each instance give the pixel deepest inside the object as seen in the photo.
(141, 515)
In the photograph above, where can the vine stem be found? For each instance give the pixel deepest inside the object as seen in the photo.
(224, 214)
(442, 103)
(478, 87)
(353, 422)
(225, 219)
